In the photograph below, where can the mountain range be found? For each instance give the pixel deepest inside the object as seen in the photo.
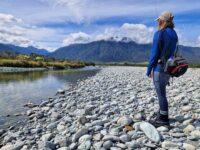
(104, 51)
(22, 50)
(117, 51)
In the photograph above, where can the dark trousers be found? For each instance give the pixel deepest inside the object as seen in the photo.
(160, 80)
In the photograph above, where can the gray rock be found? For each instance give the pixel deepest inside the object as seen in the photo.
(46, 145)
(79, 133)
(73, 146)
(107, 144)
(169, 144)
(115, 148)
(177, 135)
(52, 125)
(125, 120)
(114, 131)
(63, 148)
(125, 138)
(187, 108)
(188, 129)
(150, 131)
(7, 147)
(29, 112)
(85, 138)
(163, 129)
(85, 145)
(187, 146)
(121, 145)
(97, 123)
(111, 138)
(195, 134)
(8, 138)
(62, 140)
(61, 126)
(133, 145)
(98, 145)
(47, 137)
(97, 137)
(82, 120)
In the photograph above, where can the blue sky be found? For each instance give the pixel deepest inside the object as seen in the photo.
(51, 24)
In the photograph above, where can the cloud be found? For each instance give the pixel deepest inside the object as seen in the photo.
(79, 37)
(87, 11)
(12, 31)
(139, 33)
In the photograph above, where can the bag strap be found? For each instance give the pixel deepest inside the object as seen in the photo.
(177, 48)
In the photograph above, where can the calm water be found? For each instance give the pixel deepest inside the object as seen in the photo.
(17, 89)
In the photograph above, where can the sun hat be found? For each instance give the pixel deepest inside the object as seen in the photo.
(165, 16)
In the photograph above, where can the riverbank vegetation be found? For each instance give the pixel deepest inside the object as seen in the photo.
(36, 61)
(140, 64)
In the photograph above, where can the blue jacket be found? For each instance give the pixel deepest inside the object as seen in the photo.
(167, 39)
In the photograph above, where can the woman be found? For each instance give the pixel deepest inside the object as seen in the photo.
(164, 45)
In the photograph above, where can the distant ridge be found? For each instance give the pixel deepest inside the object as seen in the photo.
(117, 51)
(22, 50)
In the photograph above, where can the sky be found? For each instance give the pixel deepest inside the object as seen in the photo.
(51, 24)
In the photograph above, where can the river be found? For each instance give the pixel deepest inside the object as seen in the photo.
(19, 88)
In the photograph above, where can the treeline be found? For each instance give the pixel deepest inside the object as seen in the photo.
(35, 61)
(142, 64)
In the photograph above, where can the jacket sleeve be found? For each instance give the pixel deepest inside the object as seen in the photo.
(154, 56)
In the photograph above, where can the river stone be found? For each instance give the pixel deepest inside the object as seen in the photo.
(187, 122)
(177, 135)
(17, 146)
(125, 138)
(125, 120)
(150, 131)
(63, 148)
(73, 146)
(97, 137)
(196, 134)
(110, 137)
(52, 125)
(98, 145)
(188, 146)
(7, 147)
(62, 140)
(115, 148)
(47, 137)
(107, 144)
(85, 138)
(114, 131)
(163, 129)
(188, 129)
(61, 126)
(169, 144)
(29, 112)
(97, 123)
(82, 120)
(186, 108)
(79, 133)
(132, 145)
(121, 145)
(85, 145)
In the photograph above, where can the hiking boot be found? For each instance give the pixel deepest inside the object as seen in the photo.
(160, 120)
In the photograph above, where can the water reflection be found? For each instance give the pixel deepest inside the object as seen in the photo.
(17, 89)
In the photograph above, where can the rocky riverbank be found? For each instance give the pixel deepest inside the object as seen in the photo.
(110, 111)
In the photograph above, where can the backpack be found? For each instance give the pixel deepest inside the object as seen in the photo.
(175, 65)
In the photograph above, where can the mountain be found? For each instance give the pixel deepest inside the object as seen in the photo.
(104, 51)
(22, 50)
(111, 50)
